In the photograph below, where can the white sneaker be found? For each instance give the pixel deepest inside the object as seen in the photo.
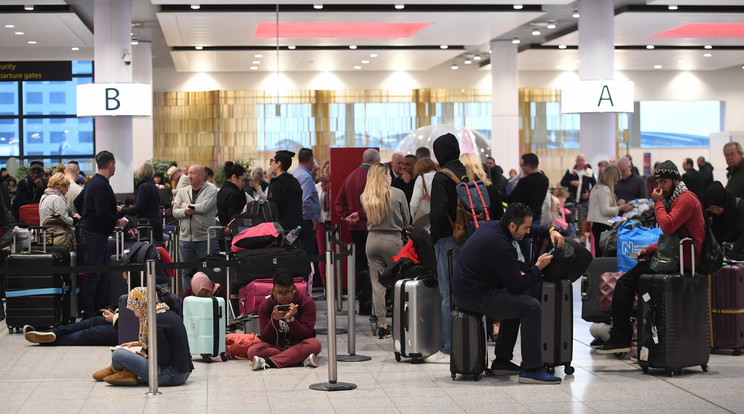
(438, 358)
(311, 361)
(40, 337)
(259, 363)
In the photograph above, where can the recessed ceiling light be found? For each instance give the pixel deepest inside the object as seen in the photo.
(258, 55)
(9, 26)
(373, 55)
(352, 47)
(365, 61)
(516, 40)
(254, 67)
(535, 31)
(28, 7)
(707, 55)
(443, 47)
(551, 24)
(467, 61)
(19, 33)
(74, 49)
(256, 62)
(400, 6)
(454, 66)
(357, 67)
(518, 7)
(575, 14)
(680, 61)
(672, 7)
(317, 6)
(291, 47)
(657, 66)
(198, 47)
(562, 46)
(134, 42)
(559, 67)
(477, 58)
(32, 42)
(708, 47)
(195, 7)
(649, 47)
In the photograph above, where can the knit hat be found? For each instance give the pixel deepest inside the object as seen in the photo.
(285, 157)
(36, 164)
(667, 169)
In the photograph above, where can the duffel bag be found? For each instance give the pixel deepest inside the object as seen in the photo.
(258, 237)
(569, 262)
(264, 263)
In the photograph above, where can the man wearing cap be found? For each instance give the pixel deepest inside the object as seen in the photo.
(310, 201)
(285, 191)
(182, 180)
(31, 187)
(677, 210)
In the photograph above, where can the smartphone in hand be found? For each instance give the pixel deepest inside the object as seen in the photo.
(283, 308)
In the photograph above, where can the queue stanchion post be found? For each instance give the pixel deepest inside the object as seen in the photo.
(331, 240)
(339, 276)
(152, 327)
(177, 259)
(351, 338)
(332, 384)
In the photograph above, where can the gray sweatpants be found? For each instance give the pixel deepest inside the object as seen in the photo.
(381, 248)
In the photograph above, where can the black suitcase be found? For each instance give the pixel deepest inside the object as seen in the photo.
(590, 311)
(40, 300)
(674, 325)
(263, 263)
(556, 300)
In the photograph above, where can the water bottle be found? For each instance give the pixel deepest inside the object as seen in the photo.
(293, 235)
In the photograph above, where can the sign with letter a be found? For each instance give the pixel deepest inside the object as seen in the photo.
(114, 99)
(597, 96)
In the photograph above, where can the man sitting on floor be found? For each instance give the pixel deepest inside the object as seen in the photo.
(98, 330)
(287, 320)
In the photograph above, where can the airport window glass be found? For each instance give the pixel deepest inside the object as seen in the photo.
(679, 123)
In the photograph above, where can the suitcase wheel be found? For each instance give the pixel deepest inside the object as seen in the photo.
(224, 357)
(645, 370)
(737, 351)
(671, 372)
(397, 356)
(569, 370)
(704, 367)
(476, 377)
(207, 358)
(620, 355)
(550, 370)
(454, 376)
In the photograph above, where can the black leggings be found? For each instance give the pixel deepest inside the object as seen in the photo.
(597, 229)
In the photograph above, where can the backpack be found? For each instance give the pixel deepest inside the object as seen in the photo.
(256, 212)
(60, 233)
(236, 345)
(472, 205)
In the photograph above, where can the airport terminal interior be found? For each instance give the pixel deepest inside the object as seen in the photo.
(239, 80)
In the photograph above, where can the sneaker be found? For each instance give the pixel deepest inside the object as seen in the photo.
(40, 337)
(537, 377)
(259, 363)
(28, 328)
(311, 361)
(438, 358)
(509, 368)
(611, 347)
(383, 333)
(596, 342)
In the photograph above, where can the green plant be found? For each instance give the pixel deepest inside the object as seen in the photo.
(21, 172)
(161, 166)
(219, 177)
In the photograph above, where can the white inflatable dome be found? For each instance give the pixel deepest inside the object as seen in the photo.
(470, 141)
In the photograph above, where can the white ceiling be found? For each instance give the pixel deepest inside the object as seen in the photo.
(230, 46)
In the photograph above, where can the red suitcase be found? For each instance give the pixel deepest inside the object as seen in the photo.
(29, 214)
(253, 294)
(727, 307)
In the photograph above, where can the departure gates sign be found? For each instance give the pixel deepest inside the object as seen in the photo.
(35, 71)
(114, 99)
(597, 96)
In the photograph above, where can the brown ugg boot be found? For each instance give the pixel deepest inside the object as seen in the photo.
(101, 374)
(123, 377)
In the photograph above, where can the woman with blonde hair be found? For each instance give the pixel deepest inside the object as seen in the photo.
(387, 217)
(472, 163)
(146, 201)
(425, 169)
(603, 204)
(53, 200)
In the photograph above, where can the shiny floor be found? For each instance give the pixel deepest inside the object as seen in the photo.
(35, 379)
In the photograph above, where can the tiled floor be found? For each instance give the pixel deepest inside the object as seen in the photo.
(35, 379)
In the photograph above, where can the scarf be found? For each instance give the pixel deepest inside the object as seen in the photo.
(677, 191)
(137, 300)
(581, 174)
(52, 191)
(200, 281)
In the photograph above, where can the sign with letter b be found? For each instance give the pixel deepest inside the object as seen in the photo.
(114, 99)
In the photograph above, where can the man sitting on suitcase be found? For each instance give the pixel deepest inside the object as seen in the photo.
(490, 278)
(287, 321)
(678, 211)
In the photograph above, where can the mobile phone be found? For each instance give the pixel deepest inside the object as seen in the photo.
(550, 253)
(282, 308)
(191, 206)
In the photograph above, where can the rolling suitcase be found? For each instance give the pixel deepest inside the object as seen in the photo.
(417, 320)
(674, 329)
(556, 300)
(204, 318)
(727, 307)
(253, 294)
(590, 310)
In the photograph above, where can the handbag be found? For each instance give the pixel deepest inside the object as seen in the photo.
(666, 258)
(421, 218)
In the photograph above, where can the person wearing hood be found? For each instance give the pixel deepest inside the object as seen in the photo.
(285, 191)
(726, 219)
(443, 210)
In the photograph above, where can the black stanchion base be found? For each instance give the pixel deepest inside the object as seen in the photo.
(352, 358)
(335, 386)
(324, 331)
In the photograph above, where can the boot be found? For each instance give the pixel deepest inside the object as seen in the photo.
(123, 377)
(101, 374)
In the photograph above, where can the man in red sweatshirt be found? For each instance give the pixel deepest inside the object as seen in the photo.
(287, 321)
(677, 211)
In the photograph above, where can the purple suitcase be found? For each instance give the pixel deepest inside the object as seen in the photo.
(727, 307)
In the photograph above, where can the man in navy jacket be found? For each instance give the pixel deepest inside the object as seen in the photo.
(493, 278)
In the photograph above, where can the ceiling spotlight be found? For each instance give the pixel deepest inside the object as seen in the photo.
(561, 46)
(516, 40)
(477, 58)
(19, 33)
(467, 61)
(195, 7)
(317, 6)
(535, 31)
(559, 67)
(443, 47)
(74, 49)
(291, 47)
(575, 14)
(256, 62)
(454, 66)
(32, 42)
(551, 24)
(365, 61)
(708, 47)
(657, 66)
(673, 7)
(680, 61)
(518, 7)
(254, 67)
(352, 47)
(650, 47)
(28, 7)
(134, 42)
(357, 67)
(9, 26)
(258, 55)
(198, 47)
(399, 6)
(707, 55)
(373, 55)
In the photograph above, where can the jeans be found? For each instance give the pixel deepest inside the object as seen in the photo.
(191, 252)
(93, 331)
(440, 248)
(95, 292)
(167, 375)
(622, 303)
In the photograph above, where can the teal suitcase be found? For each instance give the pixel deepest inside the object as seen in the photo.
(204, 318)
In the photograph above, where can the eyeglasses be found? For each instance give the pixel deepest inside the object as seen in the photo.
(271, 160)
(285, 293)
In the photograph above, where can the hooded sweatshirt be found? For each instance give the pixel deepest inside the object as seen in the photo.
(286, 192)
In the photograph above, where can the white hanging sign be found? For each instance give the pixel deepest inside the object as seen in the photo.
(114, 99)
(597, 96)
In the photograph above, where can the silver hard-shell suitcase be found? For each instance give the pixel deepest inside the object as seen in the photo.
(417, 318)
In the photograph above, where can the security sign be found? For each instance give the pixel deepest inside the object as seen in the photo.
(597, 96)
(114, 99)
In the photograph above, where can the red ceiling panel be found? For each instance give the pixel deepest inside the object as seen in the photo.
(297, 30)
(704, 31)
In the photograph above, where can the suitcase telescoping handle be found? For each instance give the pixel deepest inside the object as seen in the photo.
(41, 234)
(119, 236)
(682, 256)
(211, 229)
(147, 229)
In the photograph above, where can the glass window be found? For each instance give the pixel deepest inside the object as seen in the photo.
(57, 97)
(679, 123)
(74, 137)
(82, 67)
(61, 97)
(34, 98)
(9, 137)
